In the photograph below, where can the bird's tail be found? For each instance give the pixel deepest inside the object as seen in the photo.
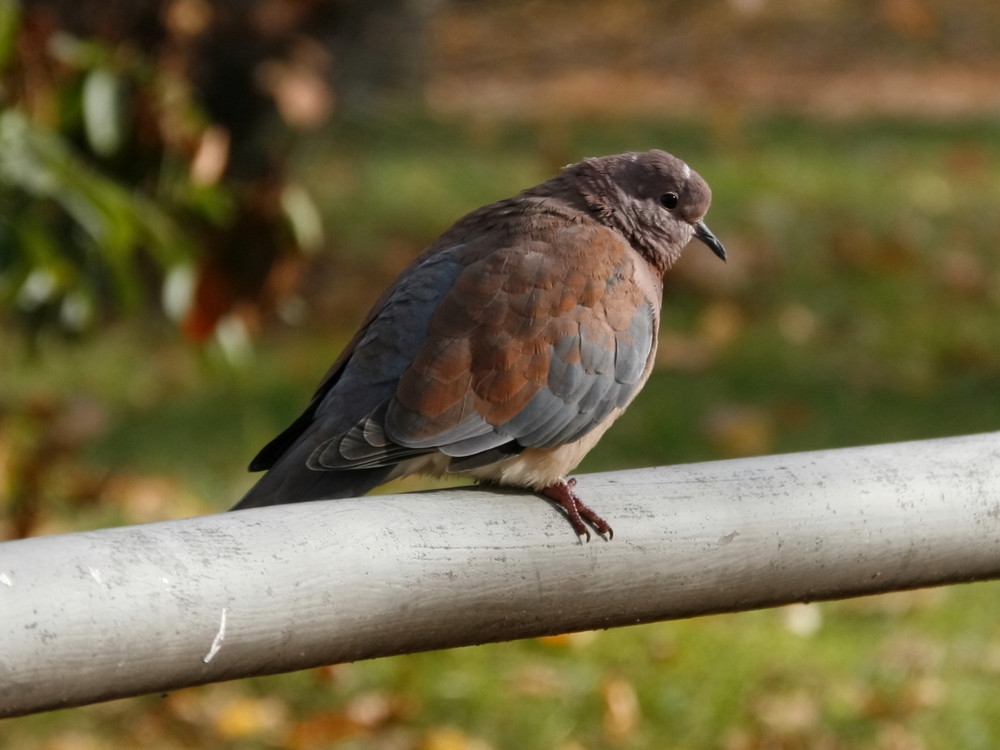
(291, 481)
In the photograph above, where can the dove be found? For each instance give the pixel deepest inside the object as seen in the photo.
(508, 347)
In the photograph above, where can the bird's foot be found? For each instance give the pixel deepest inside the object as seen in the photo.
(562, 493)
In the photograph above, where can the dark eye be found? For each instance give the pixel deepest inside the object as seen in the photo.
(669, 200)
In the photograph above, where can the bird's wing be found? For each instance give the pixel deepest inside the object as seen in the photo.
(530, 345)
(365, 375)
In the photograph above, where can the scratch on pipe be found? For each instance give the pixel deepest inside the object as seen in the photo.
(219, 637)
(95, 574)
(5, 580)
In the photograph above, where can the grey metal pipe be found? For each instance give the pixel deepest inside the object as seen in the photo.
(117, 612)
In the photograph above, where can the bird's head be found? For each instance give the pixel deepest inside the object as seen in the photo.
(653, 198)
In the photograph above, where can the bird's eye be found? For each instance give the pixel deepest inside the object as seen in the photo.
(669, 200)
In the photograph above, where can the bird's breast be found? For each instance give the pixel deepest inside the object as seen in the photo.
(537, 468)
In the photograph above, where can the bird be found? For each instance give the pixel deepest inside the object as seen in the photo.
(506, 349)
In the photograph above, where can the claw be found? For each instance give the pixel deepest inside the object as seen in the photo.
(562, 493)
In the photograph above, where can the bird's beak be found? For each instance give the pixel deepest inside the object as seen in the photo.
(704, 234)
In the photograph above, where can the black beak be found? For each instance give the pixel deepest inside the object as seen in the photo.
(704, 234)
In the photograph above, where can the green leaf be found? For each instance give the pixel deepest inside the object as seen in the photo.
(112, 224)
(104, 107)
(303, 216)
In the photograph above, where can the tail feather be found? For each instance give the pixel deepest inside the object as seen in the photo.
(291, 481)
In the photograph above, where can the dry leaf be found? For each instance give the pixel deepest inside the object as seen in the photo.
(449, 738)
(897, 737)
(581, 639)
(320, 730)
(244, 717)
(792, 713)
(622, 713)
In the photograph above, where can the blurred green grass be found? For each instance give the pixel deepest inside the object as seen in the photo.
(860, 306)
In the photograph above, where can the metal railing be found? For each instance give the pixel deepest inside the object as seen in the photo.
(111, 613)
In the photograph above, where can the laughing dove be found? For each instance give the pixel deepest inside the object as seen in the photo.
(508, 347)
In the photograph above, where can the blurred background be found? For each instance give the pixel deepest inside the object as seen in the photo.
(199, 199)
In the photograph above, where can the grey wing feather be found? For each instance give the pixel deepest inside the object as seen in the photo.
(345, 411)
